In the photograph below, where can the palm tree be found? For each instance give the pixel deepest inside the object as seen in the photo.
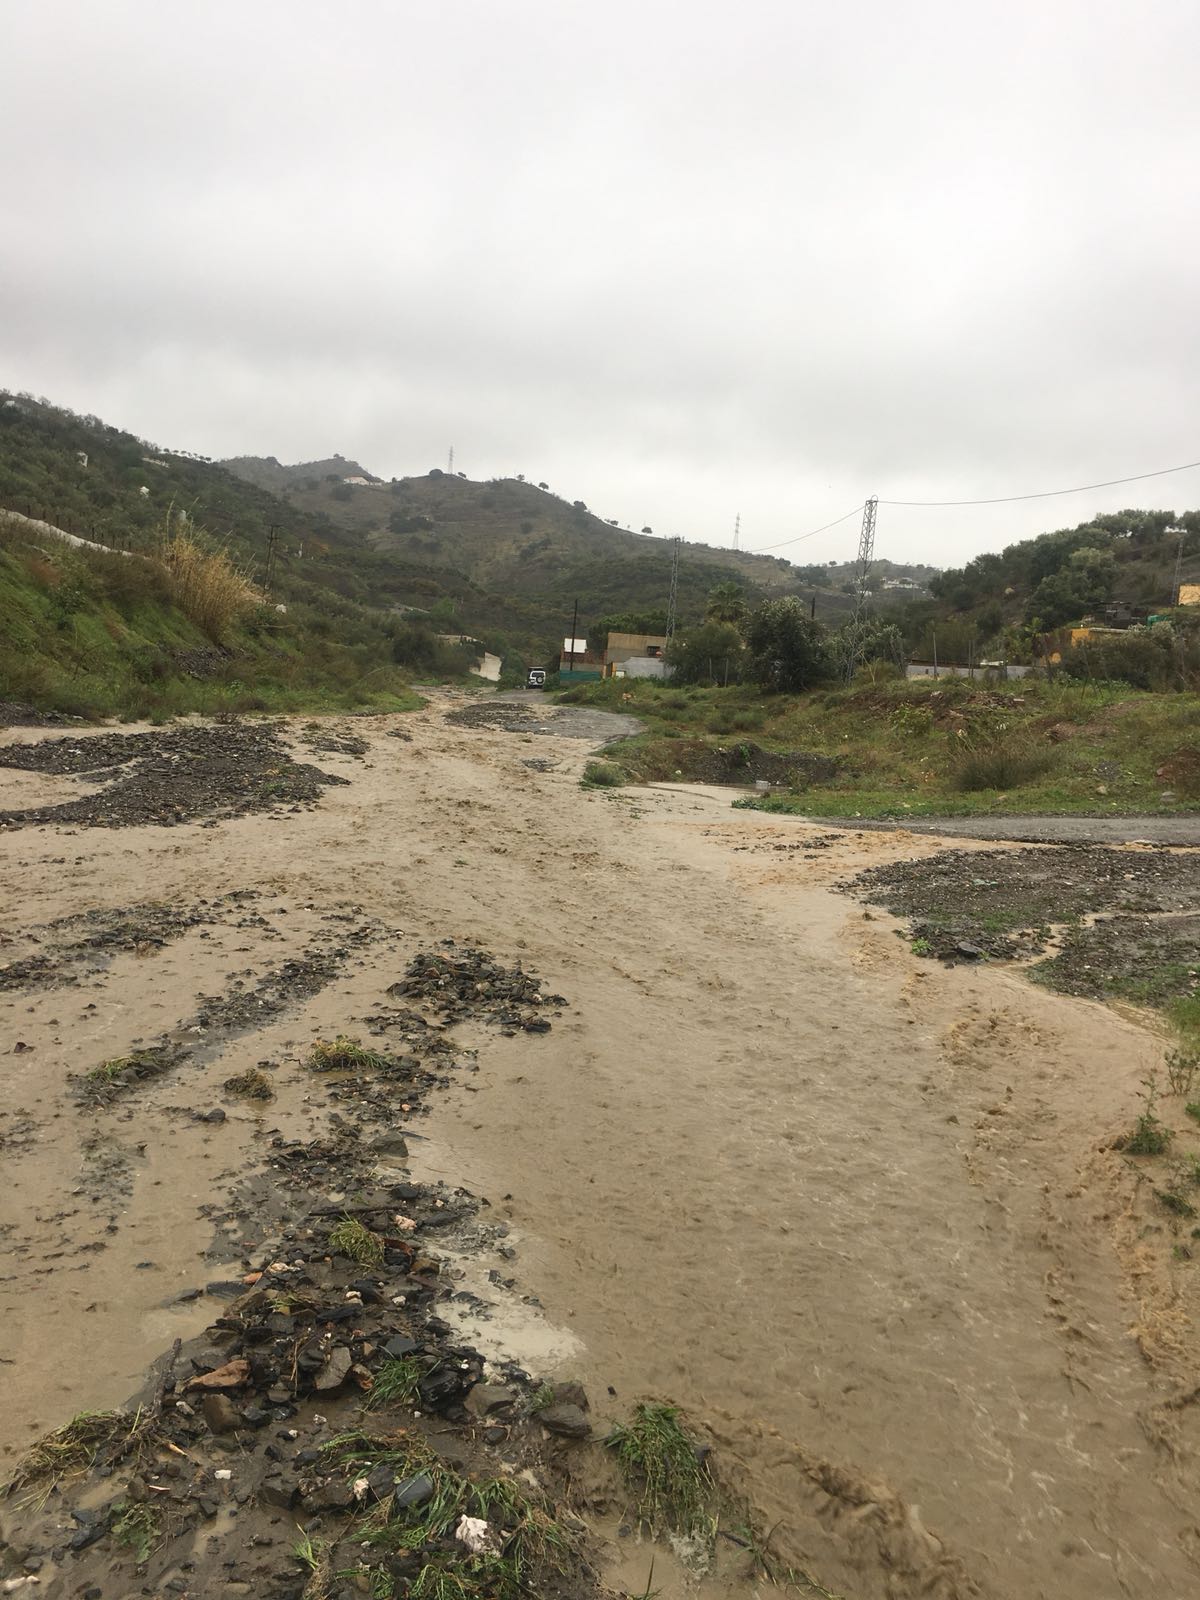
(727, 603)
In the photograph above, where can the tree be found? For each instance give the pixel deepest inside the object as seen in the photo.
(872, 640)
(787, 650)
(712, 653)
(647, 530)
(1085, 581)
(727, 603)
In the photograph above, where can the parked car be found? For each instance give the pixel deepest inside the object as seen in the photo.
(536, 678)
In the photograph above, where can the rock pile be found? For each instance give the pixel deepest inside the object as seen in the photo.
(463, 983)
(173, 776)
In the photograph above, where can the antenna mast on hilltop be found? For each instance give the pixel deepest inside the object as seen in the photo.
(737, 529)
(450, 462)
(866, 559)
(673, 599)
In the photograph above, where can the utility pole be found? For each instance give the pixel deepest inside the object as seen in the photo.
(673, 598)
(866, 558)
(737, 529)
(1182, 532)
(574, 625)
(272, 538)
(450, 461)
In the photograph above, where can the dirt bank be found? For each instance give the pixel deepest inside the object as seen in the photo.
(858, 1213)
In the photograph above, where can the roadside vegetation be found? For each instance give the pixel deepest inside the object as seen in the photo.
(926, 748)
(89, 634)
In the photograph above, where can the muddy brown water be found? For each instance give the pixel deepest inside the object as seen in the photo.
(856, 1213)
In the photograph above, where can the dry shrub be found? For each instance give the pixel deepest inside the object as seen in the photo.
(207, 585)
(997, 761)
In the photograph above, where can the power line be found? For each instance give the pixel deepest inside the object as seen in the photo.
(1044, 494)
(853, 512)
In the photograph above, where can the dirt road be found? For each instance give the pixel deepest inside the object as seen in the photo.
(1183, 831)
(855, 1212)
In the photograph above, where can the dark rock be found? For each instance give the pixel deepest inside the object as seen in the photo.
(444, 1386)
(567, 1420)
(485, 1398)
(399, 1345)
(334, 1495)
(414, 1491)
(381, 1481)
(276, 1489)
(571, 1393)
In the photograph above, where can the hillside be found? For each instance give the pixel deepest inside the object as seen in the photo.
(1118, 567)
(502, 561)
(517, 541)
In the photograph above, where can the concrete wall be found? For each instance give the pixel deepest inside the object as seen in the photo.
(926, 669)
(643, 667)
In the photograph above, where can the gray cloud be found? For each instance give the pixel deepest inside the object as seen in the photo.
(679, 260)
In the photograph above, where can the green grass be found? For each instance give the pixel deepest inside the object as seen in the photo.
(395, 1383)
(664, 1469)
(351, 1238)
(907, 749)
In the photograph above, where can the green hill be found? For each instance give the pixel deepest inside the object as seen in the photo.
(502, 561)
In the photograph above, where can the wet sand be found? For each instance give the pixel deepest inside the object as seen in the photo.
(857, 1213)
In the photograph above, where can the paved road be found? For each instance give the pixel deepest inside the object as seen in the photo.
(1045, 830)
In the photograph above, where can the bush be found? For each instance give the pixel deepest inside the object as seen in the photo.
(1000, 761)
(604, 774)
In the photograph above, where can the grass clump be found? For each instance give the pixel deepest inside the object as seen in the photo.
(665, 1468)
(344, 1054)
(1193, 1110)
(255, 1085)
(207, 585)
(65, 1453)
(396, 1382)
(527, 1540)
(352, 1238)
(998, 761)
(603, 775)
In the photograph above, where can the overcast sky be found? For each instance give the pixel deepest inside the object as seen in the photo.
(680, 260)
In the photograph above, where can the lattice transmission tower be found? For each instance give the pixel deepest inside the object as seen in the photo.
(673, 599)
(862, 572)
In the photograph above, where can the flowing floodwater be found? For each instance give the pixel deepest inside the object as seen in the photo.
(857, 1213)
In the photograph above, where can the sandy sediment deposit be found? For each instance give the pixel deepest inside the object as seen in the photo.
(859, 1214)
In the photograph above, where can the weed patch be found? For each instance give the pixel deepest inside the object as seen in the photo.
(663, 1466)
